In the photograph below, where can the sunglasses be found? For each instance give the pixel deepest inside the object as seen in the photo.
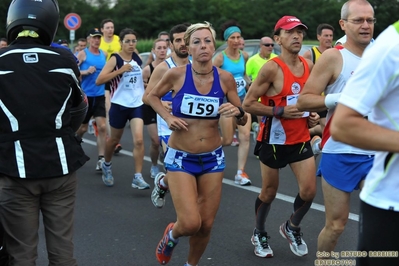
(129, 41)
(268, 44)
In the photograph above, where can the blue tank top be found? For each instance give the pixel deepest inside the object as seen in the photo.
(237, 69)
(167, 97)
(171, 64)
(89, 81)
(189, 103)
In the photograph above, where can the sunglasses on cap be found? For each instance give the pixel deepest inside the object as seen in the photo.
(268, 44)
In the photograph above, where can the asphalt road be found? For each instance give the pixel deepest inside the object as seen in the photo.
(119, 226)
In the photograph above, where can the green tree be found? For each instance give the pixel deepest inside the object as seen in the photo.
(91, 17)
(386, 14)
(257, 17)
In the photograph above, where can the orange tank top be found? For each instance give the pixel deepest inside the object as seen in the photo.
(284, 131)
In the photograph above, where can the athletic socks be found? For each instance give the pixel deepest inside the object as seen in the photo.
(171, 237)
(162, 183)
(301, 207)
(261, 211)
(138, 175)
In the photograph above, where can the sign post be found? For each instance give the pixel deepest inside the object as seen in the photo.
(72, 22)
(72, 35)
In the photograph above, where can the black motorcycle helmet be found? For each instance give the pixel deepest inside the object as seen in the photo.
(41, 16)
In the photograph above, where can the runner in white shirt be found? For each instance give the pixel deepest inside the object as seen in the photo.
(164, 36)
(179, 57)
(150, 116)
(342, 167)
(373, 91)
(127, 90)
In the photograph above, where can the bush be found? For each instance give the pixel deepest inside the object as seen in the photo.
(219, 43)
(145, 45)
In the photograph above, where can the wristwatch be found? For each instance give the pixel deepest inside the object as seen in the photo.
(242, 113)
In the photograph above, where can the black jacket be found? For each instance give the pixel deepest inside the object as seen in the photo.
(36, 85)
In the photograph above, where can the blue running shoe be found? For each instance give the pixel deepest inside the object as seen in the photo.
(108, 179)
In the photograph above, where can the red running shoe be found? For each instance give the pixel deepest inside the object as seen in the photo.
(165, 246)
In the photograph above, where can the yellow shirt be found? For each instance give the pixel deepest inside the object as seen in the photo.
(254, 64)
(315, 54)
(112, 47)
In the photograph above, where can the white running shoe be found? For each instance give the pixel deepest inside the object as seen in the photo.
(99, 163)
(139, 183)
(90, 128)
(158, 193)
(242, 179)
(107, 177)
(297, 244)
(261, 243)
(235, 141)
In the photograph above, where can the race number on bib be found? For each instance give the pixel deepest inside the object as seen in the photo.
(197, 105)
(292, 99)
(240, 85)
(129, 79)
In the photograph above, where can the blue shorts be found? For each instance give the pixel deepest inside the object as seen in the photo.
(344, 171)
(119, 115)
(194, 164)
(164, 139)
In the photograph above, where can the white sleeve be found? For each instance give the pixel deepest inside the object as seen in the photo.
(370, 81)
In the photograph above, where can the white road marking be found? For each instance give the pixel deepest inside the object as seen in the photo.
(286, 198)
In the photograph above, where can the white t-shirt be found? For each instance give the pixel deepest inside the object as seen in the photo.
(162, 126)
(130, 89)
(373, 90)
(350, 62)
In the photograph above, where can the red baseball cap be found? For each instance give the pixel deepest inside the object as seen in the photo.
(288, 23)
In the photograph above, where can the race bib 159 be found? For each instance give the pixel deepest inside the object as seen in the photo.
(198, 105)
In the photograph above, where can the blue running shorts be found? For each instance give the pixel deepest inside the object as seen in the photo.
(194, 164)
(345, 171)
(164, 139)
(119, 115)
